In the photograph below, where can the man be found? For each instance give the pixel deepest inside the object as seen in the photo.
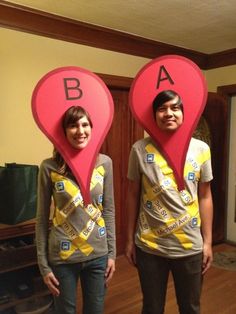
(169, 230)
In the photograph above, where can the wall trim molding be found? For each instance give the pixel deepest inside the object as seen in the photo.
(37, 22)
(227, 91)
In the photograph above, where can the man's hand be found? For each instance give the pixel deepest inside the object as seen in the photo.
(207, 258)
(130, 253)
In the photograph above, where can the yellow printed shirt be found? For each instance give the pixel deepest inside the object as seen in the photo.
(78, 233)
(169, 220)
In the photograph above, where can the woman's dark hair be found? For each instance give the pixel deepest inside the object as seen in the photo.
(163, 97)
(71, 116)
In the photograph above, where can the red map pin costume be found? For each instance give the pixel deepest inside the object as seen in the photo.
(57, 91)
(170, 72)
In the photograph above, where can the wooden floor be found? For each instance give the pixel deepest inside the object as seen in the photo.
(124, 296)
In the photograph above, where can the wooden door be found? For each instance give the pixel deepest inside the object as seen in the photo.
(215, 115)
(123, 133)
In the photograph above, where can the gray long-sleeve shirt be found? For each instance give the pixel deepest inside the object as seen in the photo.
(78, 233)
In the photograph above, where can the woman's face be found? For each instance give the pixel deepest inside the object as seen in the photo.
(78, 134)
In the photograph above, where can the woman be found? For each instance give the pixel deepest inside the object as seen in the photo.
(81, 241)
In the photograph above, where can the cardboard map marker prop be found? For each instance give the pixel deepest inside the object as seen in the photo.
(177, 73)
(53, 95)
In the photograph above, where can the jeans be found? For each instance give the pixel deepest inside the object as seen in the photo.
(153, 274)
(92, 278)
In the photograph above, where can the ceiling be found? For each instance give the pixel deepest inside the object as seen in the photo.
(206, 26)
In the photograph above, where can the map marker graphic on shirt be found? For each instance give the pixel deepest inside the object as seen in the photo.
(57, 91)
(177, 73)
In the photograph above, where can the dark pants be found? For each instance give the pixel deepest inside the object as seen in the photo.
(153, 274)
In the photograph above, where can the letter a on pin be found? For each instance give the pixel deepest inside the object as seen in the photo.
(177, 73)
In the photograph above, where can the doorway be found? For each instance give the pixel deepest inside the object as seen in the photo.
(231, 204)
(117, 145)
(216, 115)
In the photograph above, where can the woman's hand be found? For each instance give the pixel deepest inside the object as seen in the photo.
(52, 283)
(109, 270)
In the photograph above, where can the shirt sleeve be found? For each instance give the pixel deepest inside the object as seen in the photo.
(44, 197)
(206, 168)
(134, 172)
(109, 209)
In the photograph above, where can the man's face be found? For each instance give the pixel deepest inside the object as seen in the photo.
(169, 116)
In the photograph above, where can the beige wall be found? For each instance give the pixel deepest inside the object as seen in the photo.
(25, 58)
(220, 77)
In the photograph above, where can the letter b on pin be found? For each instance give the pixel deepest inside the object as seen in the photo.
(72, 88)
(57, 91)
